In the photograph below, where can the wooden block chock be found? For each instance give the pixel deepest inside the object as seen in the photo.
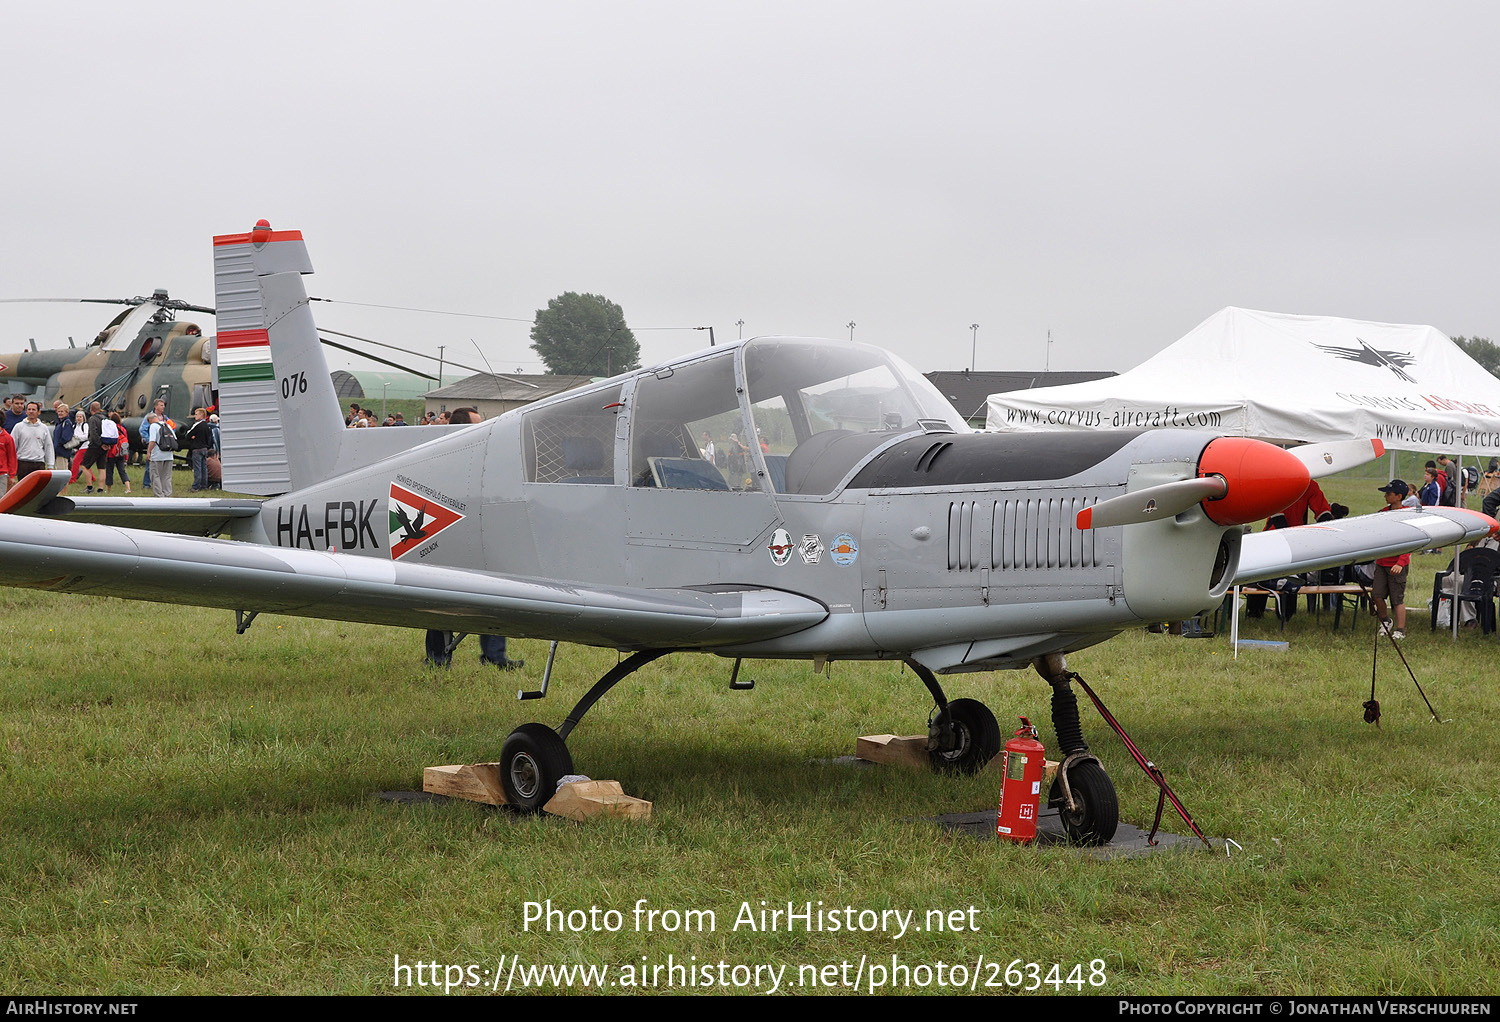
(897, 750)
(577, 800)
(474, 782)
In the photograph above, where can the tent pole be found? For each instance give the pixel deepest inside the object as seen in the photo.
(1457, 546)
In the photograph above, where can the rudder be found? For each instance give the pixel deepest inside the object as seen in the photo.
(272, 377)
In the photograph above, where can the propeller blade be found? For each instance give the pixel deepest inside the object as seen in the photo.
(1153, 503)
(1326, 459)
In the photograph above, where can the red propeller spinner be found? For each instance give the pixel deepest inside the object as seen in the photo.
(1261, 479)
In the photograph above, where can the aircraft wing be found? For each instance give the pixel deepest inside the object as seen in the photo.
(1386, 534)
(66, 556)
(37, 495)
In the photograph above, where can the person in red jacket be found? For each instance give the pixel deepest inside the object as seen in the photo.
(1312, 502)
(8, 466)
(1390, 572)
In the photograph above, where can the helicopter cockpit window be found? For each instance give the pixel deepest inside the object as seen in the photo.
(819, 407)
(686, 431)
(572, 440)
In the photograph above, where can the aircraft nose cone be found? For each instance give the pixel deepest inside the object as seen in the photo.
(1262, 479)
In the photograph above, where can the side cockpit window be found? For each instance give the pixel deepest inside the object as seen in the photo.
(573, 440)
(686, 429)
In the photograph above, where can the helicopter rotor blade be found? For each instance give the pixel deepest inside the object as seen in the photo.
(130, 327)
(404, 351)
(161, 300)
(377, 358)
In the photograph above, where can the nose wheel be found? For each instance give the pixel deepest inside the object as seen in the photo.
(1095, 813)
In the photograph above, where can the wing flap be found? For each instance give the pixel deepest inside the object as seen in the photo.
(1385, 534)
(138, 565)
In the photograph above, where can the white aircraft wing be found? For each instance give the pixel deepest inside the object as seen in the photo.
(1386, 534)
(74, 557)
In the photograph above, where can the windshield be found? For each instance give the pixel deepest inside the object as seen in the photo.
(821, 406)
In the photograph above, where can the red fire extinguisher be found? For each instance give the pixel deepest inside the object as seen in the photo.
(1021, 791)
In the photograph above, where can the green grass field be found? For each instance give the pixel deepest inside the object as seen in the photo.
(191, 811)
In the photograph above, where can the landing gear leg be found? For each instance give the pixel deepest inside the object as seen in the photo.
(1083, 793)
(963, 735)
(535, 757)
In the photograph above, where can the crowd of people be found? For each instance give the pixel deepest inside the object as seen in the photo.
(363, 417)
(1444, 484)
(94, 445)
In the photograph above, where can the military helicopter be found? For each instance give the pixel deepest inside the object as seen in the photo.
(142, 354)
(869, 524)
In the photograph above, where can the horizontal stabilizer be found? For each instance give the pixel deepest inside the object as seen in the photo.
(33, 492)
(1384, 534)
(185, 515)
(38, 495)
(132, 564)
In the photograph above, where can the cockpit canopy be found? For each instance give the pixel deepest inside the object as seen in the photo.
(788, 415)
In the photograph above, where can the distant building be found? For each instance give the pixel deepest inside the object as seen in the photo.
(395, 386)
(969, 392)
(493, 393)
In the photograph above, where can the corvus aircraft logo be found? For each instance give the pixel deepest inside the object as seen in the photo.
(1395, 361)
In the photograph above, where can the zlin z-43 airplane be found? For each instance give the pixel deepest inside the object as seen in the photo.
(858, 519)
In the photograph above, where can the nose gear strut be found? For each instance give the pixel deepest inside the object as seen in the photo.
(1082, 792)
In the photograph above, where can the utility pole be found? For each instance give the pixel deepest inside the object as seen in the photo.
(440, 365)
(850, 325)
(741, 324)
(973, 346)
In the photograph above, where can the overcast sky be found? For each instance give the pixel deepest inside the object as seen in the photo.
(1113, 172)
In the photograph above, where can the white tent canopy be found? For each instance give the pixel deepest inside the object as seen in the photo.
(1286, 378)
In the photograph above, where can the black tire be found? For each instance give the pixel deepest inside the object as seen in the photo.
(976, 737)
(532, 761)
(1098, 814)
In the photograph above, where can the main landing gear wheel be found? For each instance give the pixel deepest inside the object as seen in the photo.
(532, 761)
(1097, 815)
(976, 738)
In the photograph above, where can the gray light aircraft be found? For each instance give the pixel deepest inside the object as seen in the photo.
(848, 514)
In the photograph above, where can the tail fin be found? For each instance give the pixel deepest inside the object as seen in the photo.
(273, 380)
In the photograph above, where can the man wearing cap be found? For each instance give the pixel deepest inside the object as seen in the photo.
(1391, 572)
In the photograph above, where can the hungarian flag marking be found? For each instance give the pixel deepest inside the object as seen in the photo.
(415, 519)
